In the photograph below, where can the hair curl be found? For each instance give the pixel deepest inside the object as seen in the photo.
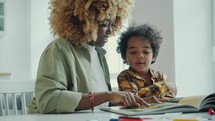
(79, 20)
(146, 32)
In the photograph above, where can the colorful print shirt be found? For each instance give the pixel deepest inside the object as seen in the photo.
(128, 80)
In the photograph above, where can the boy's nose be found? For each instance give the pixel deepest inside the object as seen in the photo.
(140, 55)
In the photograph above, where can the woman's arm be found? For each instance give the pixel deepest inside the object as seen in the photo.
(126, 99)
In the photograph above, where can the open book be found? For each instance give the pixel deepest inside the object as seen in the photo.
(184, 105)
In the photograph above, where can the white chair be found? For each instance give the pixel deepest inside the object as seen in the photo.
(11, 92)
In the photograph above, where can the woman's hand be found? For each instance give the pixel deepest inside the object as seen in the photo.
(127, 99)
(152, 99)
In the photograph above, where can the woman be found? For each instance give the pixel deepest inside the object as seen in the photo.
(73, 74)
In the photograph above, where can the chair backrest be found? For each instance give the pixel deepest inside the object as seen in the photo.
(11, 92)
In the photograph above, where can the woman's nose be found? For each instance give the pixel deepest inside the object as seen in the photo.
(109, 29)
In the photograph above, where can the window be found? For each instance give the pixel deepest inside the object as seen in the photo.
(114, 59)
(2, 17)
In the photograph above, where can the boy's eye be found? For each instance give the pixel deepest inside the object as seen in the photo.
(146, 52)
(132, 52)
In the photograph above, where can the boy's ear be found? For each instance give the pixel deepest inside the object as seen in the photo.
(153, 60)
(124, 61)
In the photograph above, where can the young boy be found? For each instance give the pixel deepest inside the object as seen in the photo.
(139, 47)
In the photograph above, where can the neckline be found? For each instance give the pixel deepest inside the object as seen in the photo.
(90, 48)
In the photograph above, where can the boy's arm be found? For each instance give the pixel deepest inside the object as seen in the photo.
(126, 85)
(163, 90)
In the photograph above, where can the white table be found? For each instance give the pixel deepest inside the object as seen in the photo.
(98, 116)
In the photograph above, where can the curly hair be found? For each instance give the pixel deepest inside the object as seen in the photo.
(79, 20)
(146, 32)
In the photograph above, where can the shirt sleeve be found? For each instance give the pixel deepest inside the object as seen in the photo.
(126, 83)
(51, 91)
(158, 89)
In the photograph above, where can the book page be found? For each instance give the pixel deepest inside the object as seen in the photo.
(155, 109)
(195, 100)
(183, 104)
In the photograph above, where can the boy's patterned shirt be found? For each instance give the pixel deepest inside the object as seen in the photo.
(128, 80)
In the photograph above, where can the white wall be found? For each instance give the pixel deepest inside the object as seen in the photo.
(40, 32)
(193, 47)
(26, 37)
(13, 52)
(213, 15)
(159, 13)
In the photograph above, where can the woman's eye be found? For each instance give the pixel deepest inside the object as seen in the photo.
(105, 25)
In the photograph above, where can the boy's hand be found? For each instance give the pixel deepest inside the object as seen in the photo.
(171, 94)
(172, 88)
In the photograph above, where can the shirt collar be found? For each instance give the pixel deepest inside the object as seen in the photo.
(134, 73)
